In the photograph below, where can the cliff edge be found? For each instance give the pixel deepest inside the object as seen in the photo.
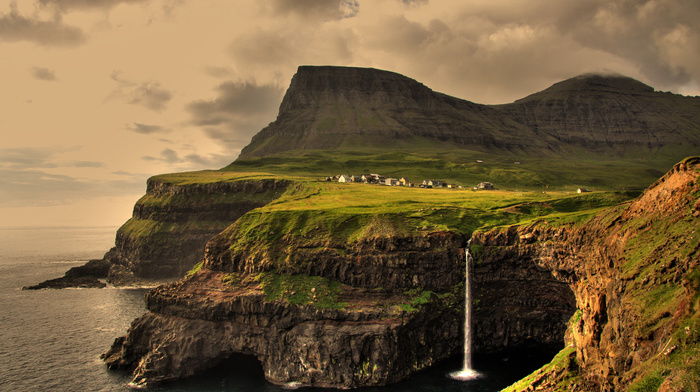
(634, 271)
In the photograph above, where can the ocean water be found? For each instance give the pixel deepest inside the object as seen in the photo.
(51, 340)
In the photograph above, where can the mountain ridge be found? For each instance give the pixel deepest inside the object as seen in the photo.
(329, 107)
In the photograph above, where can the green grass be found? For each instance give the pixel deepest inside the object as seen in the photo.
(144, 228)
(460, 167)
(194, 269)
(209, 177)
(315, 214)
(301, 290)
(560, 363)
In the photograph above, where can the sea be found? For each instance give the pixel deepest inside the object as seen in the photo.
(51, 340)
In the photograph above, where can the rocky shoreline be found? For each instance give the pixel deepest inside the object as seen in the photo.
(89, 275)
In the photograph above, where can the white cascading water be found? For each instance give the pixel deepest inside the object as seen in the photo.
(467, 373)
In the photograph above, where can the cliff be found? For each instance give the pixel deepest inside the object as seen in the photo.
(303, 329)
(340, 108)
(176, 217)
(634, 273)
(322, 301)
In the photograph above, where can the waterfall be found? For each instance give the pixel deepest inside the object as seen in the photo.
(467, 373)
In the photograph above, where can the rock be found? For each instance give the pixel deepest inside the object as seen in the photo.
(616, 339)
(96, 268)
(84, 276)
(341, 348)
(172, 223)
(86, 282)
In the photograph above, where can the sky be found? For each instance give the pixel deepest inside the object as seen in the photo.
(98, 95)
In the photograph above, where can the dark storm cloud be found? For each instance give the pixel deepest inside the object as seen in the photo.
(661, 37)
(145, 129)
(148, 94)
(244, 99)
(238, 111)
(658, 37)
(41, 73)
(318, 9)
(18, 28)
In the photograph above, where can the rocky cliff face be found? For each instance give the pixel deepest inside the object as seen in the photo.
(399, 309)
(342, 107)
(371, 336)
(172, 223)
(633, 272)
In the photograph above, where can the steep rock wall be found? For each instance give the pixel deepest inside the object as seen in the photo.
(403, 311)
(431, 261)
(172, 223)
(631, 271)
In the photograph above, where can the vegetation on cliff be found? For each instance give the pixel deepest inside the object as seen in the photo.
(640, 295)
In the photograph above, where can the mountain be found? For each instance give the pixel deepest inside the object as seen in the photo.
(338, 108)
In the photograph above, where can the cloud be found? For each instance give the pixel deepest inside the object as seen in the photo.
(238, 112)
(29, 158)
(23, 188)
(637, 30)
(91, 164)
(147, 94)
(17, 28)
(87, 4)
(190, 161)
(218, 72)
(317, 9)
(29, 178)
(41, 73)
(25, 158)
(146, 129)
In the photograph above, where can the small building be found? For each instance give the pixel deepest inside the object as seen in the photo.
(391, 181)
(485, 186)
(404, 181)
(344, 178)
(582, 190)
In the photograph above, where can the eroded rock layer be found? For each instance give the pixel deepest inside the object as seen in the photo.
(634, 273)
(172, 223)
(400, 309)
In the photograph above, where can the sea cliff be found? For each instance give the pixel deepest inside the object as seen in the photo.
(176, 217)
(618, 290)
(634, 271)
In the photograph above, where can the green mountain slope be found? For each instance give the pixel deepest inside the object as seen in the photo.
(609, 132)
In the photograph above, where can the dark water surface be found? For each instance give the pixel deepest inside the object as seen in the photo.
(51, 340)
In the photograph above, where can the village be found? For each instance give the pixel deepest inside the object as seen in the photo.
(403, 181)
(388, 181)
